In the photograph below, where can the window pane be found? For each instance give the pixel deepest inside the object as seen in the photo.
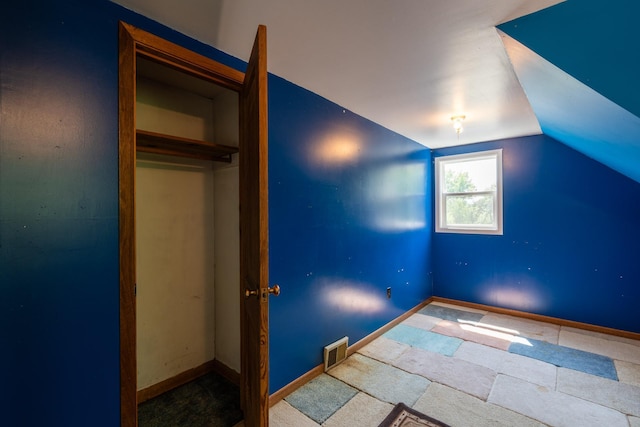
(470, 175)
(469, 193)
(469, 210)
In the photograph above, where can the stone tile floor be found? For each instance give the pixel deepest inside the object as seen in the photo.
(467, 367)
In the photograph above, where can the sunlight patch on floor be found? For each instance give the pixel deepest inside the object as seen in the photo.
(499, 332)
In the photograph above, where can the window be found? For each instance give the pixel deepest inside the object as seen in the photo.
(469, 193)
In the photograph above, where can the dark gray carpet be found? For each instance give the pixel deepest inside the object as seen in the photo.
(209, 401)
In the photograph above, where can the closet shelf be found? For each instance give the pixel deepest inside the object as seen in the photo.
(158, 143)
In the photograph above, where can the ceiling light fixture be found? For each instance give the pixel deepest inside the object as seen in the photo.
(457, 123)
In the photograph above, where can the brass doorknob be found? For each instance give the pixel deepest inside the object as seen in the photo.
(263, 292)
(275, 290)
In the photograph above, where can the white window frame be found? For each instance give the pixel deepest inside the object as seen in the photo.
(440, 223)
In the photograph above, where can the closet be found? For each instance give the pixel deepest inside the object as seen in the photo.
(193, 221)
(187, 227)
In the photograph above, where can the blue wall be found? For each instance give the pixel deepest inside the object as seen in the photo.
(349, 216)
(58, 216)
(570, 245)
(342, 228)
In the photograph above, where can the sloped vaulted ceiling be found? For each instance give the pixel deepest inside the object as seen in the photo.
(579, 65)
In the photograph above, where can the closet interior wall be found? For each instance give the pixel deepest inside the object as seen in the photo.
(187, 231)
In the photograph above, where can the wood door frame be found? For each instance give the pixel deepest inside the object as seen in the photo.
(135, 42)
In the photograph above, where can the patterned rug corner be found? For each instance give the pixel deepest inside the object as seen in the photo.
(404, 416)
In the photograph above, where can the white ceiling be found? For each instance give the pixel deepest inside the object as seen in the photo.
(408, 65)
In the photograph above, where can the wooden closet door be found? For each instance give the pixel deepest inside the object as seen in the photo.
(254, 237)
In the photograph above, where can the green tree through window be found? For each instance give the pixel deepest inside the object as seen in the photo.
(464, 209)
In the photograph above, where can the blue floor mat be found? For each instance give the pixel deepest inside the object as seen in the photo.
(321, 397)
(566, 357)
(424, 340)
(451, 314)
